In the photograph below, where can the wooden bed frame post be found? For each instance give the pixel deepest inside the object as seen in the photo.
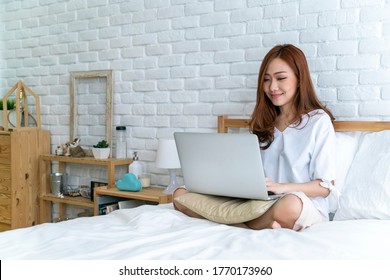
(224, 123)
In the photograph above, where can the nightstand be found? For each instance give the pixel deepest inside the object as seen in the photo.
(151, 194)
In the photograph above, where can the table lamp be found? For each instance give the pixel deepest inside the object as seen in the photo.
(168, 158)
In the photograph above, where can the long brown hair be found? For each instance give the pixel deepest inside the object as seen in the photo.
(264, 115)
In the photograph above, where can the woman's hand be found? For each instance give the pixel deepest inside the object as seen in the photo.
(276, 188)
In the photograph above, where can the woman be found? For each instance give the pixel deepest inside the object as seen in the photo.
(297, 141)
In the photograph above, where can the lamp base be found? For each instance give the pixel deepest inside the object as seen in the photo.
(173, 184)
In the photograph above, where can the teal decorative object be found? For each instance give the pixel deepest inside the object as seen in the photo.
(129, 182)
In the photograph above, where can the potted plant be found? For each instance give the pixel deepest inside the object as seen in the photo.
(101, 150)
(10, 106)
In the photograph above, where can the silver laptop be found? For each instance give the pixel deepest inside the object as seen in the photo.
(222, 164)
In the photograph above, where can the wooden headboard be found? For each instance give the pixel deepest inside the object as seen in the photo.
(224, 123)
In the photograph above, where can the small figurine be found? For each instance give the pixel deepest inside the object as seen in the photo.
(59, 151)
(67, 149)
(70, 149)
(74, 148)
(75, 143)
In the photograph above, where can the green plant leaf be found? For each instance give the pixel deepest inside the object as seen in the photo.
(101, 144)
(10, 104)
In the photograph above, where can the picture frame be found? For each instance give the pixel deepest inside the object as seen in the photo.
(95, 184)
(86, 82)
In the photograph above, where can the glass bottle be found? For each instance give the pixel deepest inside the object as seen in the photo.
(120, 142)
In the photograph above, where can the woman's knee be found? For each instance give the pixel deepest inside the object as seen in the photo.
(287, 210)
(283, 213)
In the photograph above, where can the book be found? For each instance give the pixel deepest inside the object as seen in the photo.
(103, 208)
(130, 203)
(112, 207)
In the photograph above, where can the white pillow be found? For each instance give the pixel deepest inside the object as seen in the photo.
(346, 146)
(367, 186)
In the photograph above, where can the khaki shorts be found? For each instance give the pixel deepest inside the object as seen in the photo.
(309, 215)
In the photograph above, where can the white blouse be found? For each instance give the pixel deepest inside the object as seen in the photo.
(305, 153)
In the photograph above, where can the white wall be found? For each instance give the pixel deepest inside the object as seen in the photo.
(180, 63)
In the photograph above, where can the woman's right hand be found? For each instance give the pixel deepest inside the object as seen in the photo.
(274, 187)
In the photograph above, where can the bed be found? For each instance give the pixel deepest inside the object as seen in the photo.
(359, 230)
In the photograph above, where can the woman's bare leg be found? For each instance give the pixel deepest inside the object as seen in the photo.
(178, 192)
(283, 214)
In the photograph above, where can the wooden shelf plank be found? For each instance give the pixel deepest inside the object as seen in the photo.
(87, 160)
(78, 200)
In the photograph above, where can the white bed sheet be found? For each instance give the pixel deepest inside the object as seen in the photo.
(160, 232)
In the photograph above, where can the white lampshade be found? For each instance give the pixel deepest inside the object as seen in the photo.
(167, 156)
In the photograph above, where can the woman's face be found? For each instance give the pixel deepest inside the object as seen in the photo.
(280, 83)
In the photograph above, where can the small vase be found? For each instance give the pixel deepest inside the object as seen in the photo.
(101, 153)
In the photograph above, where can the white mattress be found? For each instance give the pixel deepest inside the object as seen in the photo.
(160, 232)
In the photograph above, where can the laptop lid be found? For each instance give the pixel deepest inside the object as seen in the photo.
(222, 164)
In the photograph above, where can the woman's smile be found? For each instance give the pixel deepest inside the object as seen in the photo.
(276, 95)
(280, 83)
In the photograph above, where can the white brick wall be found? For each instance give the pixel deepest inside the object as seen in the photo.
(179, 63)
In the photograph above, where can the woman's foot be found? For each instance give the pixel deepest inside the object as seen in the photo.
(275, 225)
(178, 192)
